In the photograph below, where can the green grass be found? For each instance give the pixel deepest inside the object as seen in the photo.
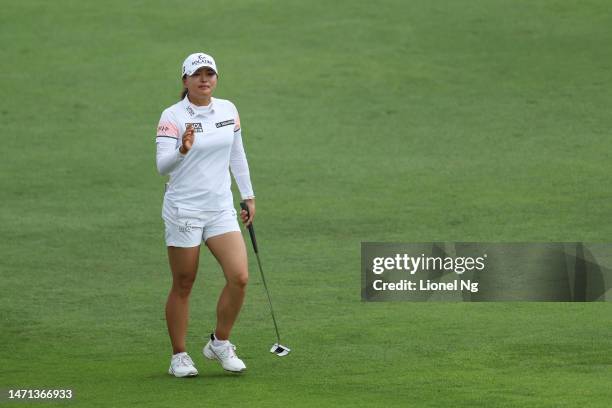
(398, 121)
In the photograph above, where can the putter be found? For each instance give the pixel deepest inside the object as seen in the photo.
(277, 348)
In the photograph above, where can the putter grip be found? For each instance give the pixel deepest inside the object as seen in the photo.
(251, 229)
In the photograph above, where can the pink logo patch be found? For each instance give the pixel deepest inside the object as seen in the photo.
(167, 129)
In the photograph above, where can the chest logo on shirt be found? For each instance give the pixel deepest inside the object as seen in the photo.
(224, 123)
(197, 127)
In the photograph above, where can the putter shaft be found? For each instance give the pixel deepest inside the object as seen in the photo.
(263, 278)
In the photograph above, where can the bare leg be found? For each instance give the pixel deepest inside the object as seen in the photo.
(184, 266)
(230, 251)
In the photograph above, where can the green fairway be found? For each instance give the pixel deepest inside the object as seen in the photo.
(393, 121)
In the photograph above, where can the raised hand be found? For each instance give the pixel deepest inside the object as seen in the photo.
(188, 137)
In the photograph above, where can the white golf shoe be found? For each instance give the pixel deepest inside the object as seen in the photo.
(225, 354)
(181, 365)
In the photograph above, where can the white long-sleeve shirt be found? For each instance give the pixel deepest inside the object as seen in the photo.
(200, 180)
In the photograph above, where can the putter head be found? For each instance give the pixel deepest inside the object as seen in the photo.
(280, 350)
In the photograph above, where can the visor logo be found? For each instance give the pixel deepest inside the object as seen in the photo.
(201, 60)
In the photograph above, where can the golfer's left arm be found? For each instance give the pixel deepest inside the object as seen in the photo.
(240, 170)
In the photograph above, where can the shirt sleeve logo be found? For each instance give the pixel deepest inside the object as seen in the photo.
(197, 127)
(224, 123)
(167, 129)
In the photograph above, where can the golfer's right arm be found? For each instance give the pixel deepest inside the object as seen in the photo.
(168, 154)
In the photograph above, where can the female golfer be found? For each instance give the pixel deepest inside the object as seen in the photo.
(198, 142)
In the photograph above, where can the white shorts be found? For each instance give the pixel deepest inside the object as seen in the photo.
(188, 228)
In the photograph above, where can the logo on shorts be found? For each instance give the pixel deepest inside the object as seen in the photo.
(185, 228)
(197, 127)
(224, 123)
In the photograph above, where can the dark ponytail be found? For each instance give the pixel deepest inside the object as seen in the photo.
(184, 91)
